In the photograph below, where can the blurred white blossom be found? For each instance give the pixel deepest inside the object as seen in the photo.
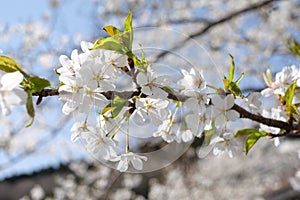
(10, 93)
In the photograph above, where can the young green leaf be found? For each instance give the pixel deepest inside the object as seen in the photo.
(246, 131)
(38, 84)
(112, 31)
(288, 97)
(141, 65)
(30, 108)
(109, 44)
(234, 89)
(252, 139)
(7, 64)
(128, 33)
(294, 47)
(117, 104)
(232, 68)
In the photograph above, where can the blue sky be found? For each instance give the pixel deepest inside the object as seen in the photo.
(15, 12)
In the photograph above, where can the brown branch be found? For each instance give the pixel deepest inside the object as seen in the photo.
(267, 121)
(288, 127)
(46, 93)
(215, 23)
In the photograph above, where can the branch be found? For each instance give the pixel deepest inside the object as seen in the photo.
(243, 113)
(267, 121)
(217, 22)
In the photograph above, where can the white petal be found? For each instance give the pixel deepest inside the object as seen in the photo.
(229, 101)
(141, 79)
(187, 136)
(137, 163)
(123, 165)
(232, 115)
(85, 46)
(267, 92)
(217, 101)
(11, 80)
(220, 121)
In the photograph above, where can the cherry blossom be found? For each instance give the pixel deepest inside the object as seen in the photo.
(69, 66)
(192, 81)
(126, 158)
(151, 83)
(156, 109)
(225, 143)
(98, 144)
(221, 110)
(283, 80)
(10, 93)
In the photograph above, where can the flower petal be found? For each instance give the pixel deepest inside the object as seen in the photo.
(229, 102)
(232, 115)
(11, 80)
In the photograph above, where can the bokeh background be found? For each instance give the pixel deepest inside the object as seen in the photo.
(40, 162)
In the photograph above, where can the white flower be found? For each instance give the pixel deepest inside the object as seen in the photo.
(126, 158)
(283, 80)
(273, 114)
(151, 83)
(91, 98)
(253, 101)
(77, 129)
(10, 94)
(98, 144)
(95, 74)
(224, 144)
(71, 92)
(192, 82)
(69, 66)
(1, 52)
(164, 131)
(221, 110)
(156, 109)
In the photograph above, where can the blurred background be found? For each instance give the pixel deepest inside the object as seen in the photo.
(40, 162)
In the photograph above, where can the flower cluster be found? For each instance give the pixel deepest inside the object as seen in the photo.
(102, 82)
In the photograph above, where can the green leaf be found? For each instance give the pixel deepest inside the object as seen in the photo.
(38, 84)
(234, 88)
(112, 31)
(109, 44)
(232, 68)
(289, 94)
(252, 139)
(294, 47)
(117, 104)
(7, 64)
(246, 131)
(141, 65)
(128, 33)
(168, 89)
(240, 78)
(30, 108)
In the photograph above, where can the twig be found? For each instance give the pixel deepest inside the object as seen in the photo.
(267, 121)
(215, 23)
